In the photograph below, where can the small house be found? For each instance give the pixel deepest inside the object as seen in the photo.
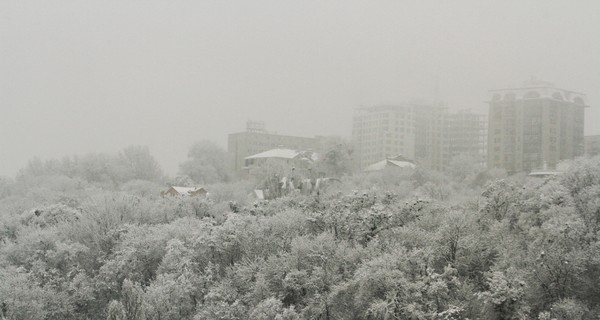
(185, 192)
(395, 162)
(289, 156)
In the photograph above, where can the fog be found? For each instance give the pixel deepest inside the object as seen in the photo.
(97, 76)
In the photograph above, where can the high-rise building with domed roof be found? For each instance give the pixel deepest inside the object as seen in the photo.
(534, 126)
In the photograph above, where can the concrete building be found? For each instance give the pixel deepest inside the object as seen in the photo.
(467, 134)
(427, 133)
(534, 126)
(431, 136)
(592, 145)
(383, 131)
(256, 139)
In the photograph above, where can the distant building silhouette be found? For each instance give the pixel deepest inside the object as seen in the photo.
(432, 149)
(383, 131)
(427, 133)
(534, 125)
(467, 135)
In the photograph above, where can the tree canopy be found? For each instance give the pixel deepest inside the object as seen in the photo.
(374, 247)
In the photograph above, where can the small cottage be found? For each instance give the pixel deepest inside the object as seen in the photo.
(185, 192)
(395, 162)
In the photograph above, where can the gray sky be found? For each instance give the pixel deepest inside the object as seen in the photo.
(97, 76)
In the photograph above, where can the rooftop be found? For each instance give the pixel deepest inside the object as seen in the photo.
(537, 89)
(282, 154)
(398, 161)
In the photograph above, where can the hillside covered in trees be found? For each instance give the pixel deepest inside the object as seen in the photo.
(80, 239)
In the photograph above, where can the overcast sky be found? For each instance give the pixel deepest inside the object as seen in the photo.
(97, 76)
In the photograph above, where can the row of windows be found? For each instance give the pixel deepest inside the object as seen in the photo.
(401, 113)
(534, 95)
(385, 124)
(382, 129)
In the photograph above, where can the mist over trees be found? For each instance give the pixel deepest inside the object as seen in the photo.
(207, 163)
(90, 237)
(131, 163)
(361, 187)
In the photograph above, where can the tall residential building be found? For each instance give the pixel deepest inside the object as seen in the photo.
(426, 133)
(431, 136)
(256, 139)
(534, 126)
(467, 135)
(417, 131)
(383, 131)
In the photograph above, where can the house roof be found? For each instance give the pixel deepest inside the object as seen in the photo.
(276, 153)
(399, 162)
(184, 191)
(544, 173)
(259, 194)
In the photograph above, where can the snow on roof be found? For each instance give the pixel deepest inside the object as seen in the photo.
(259, 194)
(377, 166)
(391, 162)
(402, 164)
(186, 190)
(544, 173)
(276, 153)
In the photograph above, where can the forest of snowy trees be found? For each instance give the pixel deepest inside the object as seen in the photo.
(91, 238)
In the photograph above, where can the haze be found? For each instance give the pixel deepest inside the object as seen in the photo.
(97, 76)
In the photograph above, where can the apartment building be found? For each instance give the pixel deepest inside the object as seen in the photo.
(426, 133)
(383, 131)
(467, 134)
(432, 150)
(534, 126)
